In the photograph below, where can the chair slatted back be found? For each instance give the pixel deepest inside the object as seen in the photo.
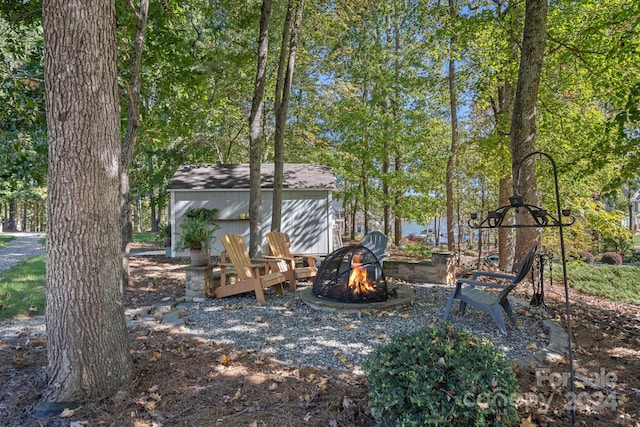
(376, 242)
(236, 249)
(523, 270)
(279, 246)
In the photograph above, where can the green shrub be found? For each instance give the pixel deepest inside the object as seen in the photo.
(620, 283)
(441, 376)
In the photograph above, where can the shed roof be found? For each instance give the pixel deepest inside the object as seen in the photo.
(230, 176)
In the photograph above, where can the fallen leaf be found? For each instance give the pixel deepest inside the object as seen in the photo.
(273, 386)
(482, 405)
(623, 399)
(527, 422)
(350, 326)
(322, 383)
(405, 316)
(156, 356)
(67, 413)
(532, 346)
(225, 359)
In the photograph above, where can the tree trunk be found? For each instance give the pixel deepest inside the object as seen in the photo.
(502, 110)
(132, 96)
(453, 155)
(13, 207)
(397, 226)
(255, 135)
(87, 340)
(523, 122)
(290, 34)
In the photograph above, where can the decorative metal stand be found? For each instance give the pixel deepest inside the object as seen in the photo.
(541, 218)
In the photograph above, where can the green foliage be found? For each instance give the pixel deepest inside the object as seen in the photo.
(619, 283)
(197, 229)
(416, 246)
(22, 288)
(145, 238)
(621, 245)
(4, 239)
(201, 214)
(441, 376)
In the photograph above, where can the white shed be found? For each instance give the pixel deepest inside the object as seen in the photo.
(306, 202)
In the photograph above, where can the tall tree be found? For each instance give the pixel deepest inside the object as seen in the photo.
(453, 153)
(255, 134)
(88, 345)
(286, 65)
(523, 121)
(132, 96)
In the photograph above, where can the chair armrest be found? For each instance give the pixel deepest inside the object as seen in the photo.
(277, 258)
(477, 274)
(474, 283)
(241, 265)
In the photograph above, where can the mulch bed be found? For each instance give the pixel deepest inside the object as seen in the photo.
(182, 380)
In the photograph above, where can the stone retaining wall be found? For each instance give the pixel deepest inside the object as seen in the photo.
(440, 269)
(201, 282)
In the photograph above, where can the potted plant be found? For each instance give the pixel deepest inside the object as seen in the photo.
(197, 234)
(165, 235)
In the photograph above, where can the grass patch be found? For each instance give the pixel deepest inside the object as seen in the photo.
(146, 238)
(22, 289)
(4, 240)
(620, 283)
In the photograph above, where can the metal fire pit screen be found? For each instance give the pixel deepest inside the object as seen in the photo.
(351, 274)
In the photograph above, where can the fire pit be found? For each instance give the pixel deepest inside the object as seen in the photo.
(352, 275)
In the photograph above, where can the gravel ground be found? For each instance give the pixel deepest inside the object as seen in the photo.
(25, 245)
(287, 329)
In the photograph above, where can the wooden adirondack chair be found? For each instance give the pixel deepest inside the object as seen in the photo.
(282, 259)
(249, 276)
(468, 293)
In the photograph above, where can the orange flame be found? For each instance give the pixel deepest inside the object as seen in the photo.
(358, 278)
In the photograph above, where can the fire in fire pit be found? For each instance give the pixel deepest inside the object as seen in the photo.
(351, 274)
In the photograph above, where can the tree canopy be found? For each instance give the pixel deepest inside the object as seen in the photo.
(369, 97)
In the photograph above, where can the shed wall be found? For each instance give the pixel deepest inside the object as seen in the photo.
(306, 216)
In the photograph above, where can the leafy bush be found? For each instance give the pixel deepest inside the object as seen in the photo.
(441, 376)
(587, 257)
(201, 214)
(197, 229)
(612, 258)
(620, 283)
